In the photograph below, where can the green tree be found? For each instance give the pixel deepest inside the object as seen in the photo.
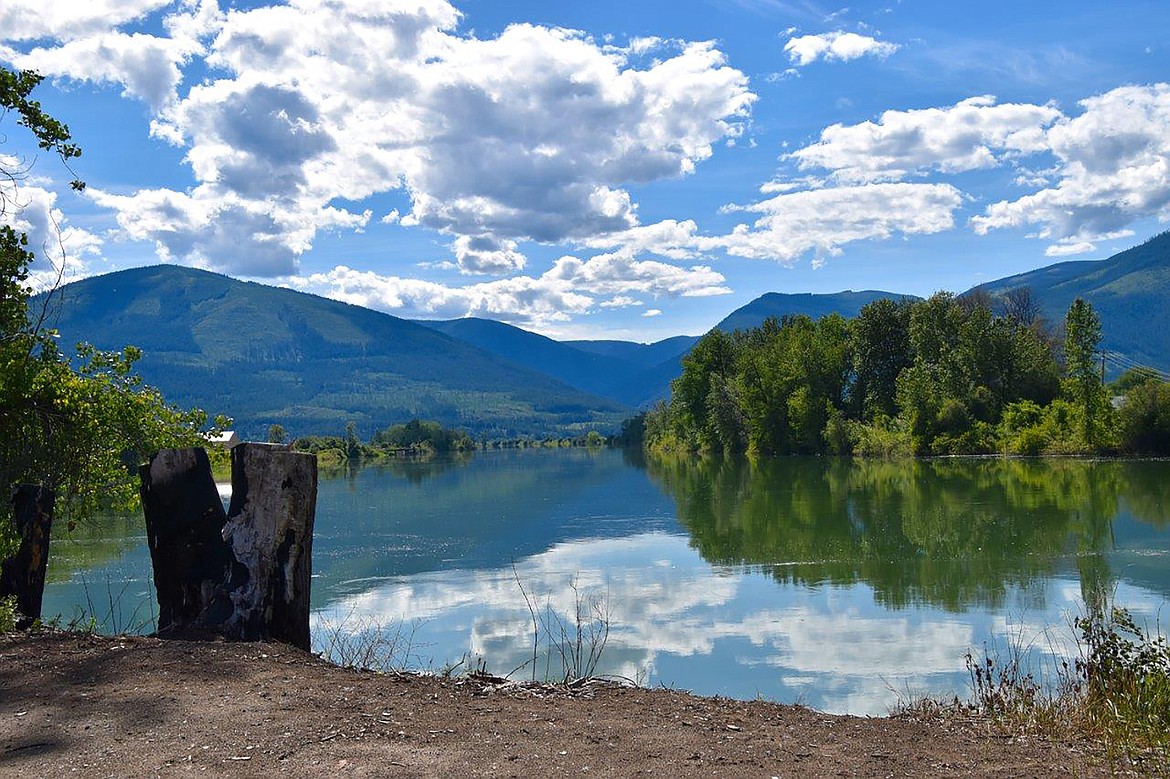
(79, 423)
(1082, 337)
(881, 350)
(1143, 421)
(276, 434)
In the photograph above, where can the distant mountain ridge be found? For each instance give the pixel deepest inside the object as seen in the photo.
(780, 304)
(1130, 292)
(629, 373)
(267, 355)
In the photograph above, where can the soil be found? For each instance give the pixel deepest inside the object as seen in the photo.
(133, 706)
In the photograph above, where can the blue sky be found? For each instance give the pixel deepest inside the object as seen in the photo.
(632, 170)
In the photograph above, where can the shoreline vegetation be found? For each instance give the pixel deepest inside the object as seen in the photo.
(969, 375)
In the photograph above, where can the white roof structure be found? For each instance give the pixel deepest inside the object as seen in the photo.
(227, 439)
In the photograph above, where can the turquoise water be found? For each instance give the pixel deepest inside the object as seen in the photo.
(843, 586)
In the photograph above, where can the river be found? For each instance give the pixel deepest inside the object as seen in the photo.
(847, 586)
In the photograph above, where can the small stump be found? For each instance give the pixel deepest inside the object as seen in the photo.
(246, 573)
(23, 574)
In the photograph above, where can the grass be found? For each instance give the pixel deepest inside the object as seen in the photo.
(354, 642)
(1116, 692)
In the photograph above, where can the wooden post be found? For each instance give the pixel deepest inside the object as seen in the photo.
(270, 533)
(184, 527)
(23, 574)
(244, 574)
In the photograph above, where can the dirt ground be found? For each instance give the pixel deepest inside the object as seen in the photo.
(97, 706)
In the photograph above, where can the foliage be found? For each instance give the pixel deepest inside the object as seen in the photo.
(932, 377)
(1082, 337)
(51, 134)
(1143, 421)
(423, 436)
(8, 614)
(1126, 670)
(1116, 691)
(78, 423)
(1134, 377)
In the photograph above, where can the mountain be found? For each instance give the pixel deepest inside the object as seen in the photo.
(1130, 291)
(267, 355)
(646, 355)
(629, 373)
(848, 304)
(596, 373)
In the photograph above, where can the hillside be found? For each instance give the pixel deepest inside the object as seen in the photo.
(630, 373)
(266, 355)
(778, 304)
(645, 355)
(1130, 291)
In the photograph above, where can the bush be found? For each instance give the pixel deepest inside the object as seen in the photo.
(1143, 421)
(8, 614)
(883, 438)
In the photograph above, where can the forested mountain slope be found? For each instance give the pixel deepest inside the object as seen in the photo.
(267, 355)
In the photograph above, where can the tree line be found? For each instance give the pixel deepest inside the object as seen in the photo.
(947, 375)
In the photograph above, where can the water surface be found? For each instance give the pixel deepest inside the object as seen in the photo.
(842, 585)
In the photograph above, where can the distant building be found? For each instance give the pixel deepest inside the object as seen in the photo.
(227, 439)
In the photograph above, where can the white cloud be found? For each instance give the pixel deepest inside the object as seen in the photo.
(571, 287)
(532, 135)
(824, 220)
(61, 251)
(86, 46)
(836, 46)
(620, 272)
(146, 65)
(1113, 168)
(652, 312)
(621, 301)
(975, 133)
(521, 300)
(23, 20)
(486, 254)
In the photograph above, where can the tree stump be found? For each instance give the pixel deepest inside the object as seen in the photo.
(184, 527)
(270, 533)
(23, 574)
(244, 574)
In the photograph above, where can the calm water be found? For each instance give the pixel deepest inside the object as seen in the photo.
(840, 585)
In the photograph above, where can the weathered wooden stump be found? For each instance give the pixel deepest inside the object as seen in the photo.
(23, 574)
(184, 527)
(244, 574)
(270, 532)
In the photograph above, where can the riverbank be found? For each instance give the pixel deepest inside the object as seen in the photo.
(135, 706)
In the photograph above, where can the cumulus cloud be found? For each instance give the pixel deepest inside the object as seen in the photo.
(36, 19)
(620, 272)
(824, 220)
(1113, 168)
(1100, 171)
(61, 251)
(534, 134)
(972, 134)
(621, 301)
(486, 254)
(521, 300)
(838, 46)
(147, 66)
(85, 44)
(571, 287)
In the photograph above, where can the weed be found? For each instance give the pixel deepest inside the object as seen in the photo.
(354, 642)
(1116, 692)
(575, 646)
